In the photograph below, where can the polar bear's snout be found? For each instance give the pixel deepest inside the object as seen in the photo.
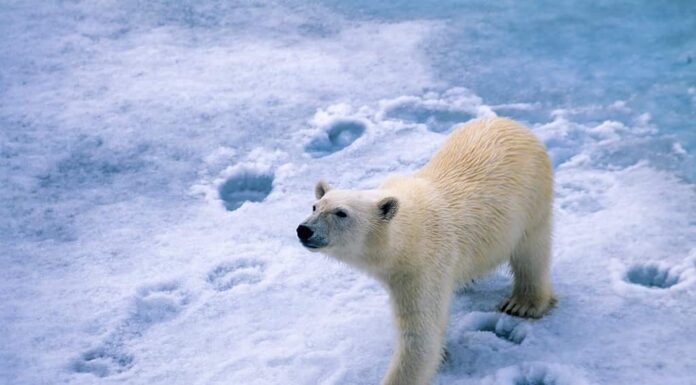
(311, 236)
(304, 233)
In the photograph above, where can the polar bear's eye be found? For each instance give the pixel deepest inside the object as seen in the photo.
(314, 207)
(341, 214)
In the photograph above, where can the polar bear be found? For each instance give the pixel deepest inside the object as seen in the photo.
(484, 199)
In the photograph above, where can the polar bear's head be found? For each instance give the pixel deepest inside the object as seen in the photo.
(343, 220)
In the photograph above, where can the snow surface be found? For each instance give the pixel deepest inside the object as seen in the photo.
(157, 156)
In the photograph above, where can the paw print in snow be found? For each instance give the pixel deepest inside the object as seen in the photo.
(502, 326)
(245, 186)
(159, 303)
(335, 136)
(103, 361)
(229, 275)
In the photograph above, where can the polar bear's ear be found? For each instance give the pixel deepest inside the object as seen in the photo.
(387, 208)
(321, 189)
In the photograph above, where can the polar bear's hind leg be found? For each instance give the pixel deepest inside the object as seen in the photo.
(531, 295)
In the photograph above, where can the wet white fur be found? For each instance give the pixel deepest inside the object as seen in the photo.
(484, 199)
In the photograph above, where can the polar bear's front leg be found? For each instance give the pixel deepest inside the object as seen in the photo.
(420, 311)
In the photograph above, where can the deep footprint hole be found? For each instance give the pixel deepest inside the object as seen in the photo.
(245, 187)
(651, 276)
(338, 135)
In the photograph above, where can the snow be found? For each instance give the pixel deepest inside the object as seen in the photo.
(156, 158)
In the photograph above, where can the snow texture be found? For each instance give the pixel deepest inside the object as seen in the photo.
(156, 158)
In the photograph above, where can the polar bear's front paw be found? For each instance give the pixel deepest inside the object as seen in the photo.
(526, 307)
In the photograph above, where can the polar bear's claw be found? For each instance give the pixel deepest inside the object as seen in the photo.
(524, 307)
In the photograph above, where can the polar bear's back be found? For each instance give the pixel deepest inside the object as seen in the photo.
(486, 151)
(496, 179)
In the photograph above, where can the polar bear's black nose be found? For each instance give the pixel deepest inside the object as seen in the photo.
(304, 232)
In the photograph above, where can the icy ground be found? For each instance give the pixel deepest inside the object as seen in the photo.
(156, 157)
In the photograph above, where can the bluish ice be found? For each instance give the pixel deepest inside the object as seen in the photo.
(156, 157)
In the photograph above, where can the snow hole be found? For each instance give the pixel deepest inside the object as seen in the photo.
(338, 135)
(652, 276)
(245, 187)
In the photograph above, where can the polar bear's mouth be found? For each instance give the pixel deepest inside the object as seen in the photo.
(311, 245)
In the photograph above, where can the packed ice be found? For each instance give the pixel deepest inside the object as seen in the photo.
(156, 158)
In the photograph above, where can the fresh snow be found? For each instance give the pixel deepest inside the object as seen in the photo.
(156, 158)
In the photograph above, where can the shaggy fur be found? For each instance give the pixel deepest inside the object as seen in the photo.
(484, 199)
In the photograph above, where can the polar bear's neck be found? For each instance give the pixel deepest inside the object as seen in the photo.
(390, 246)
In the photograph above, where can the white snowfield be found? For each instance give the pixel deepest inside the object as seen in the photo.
(157, 158)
